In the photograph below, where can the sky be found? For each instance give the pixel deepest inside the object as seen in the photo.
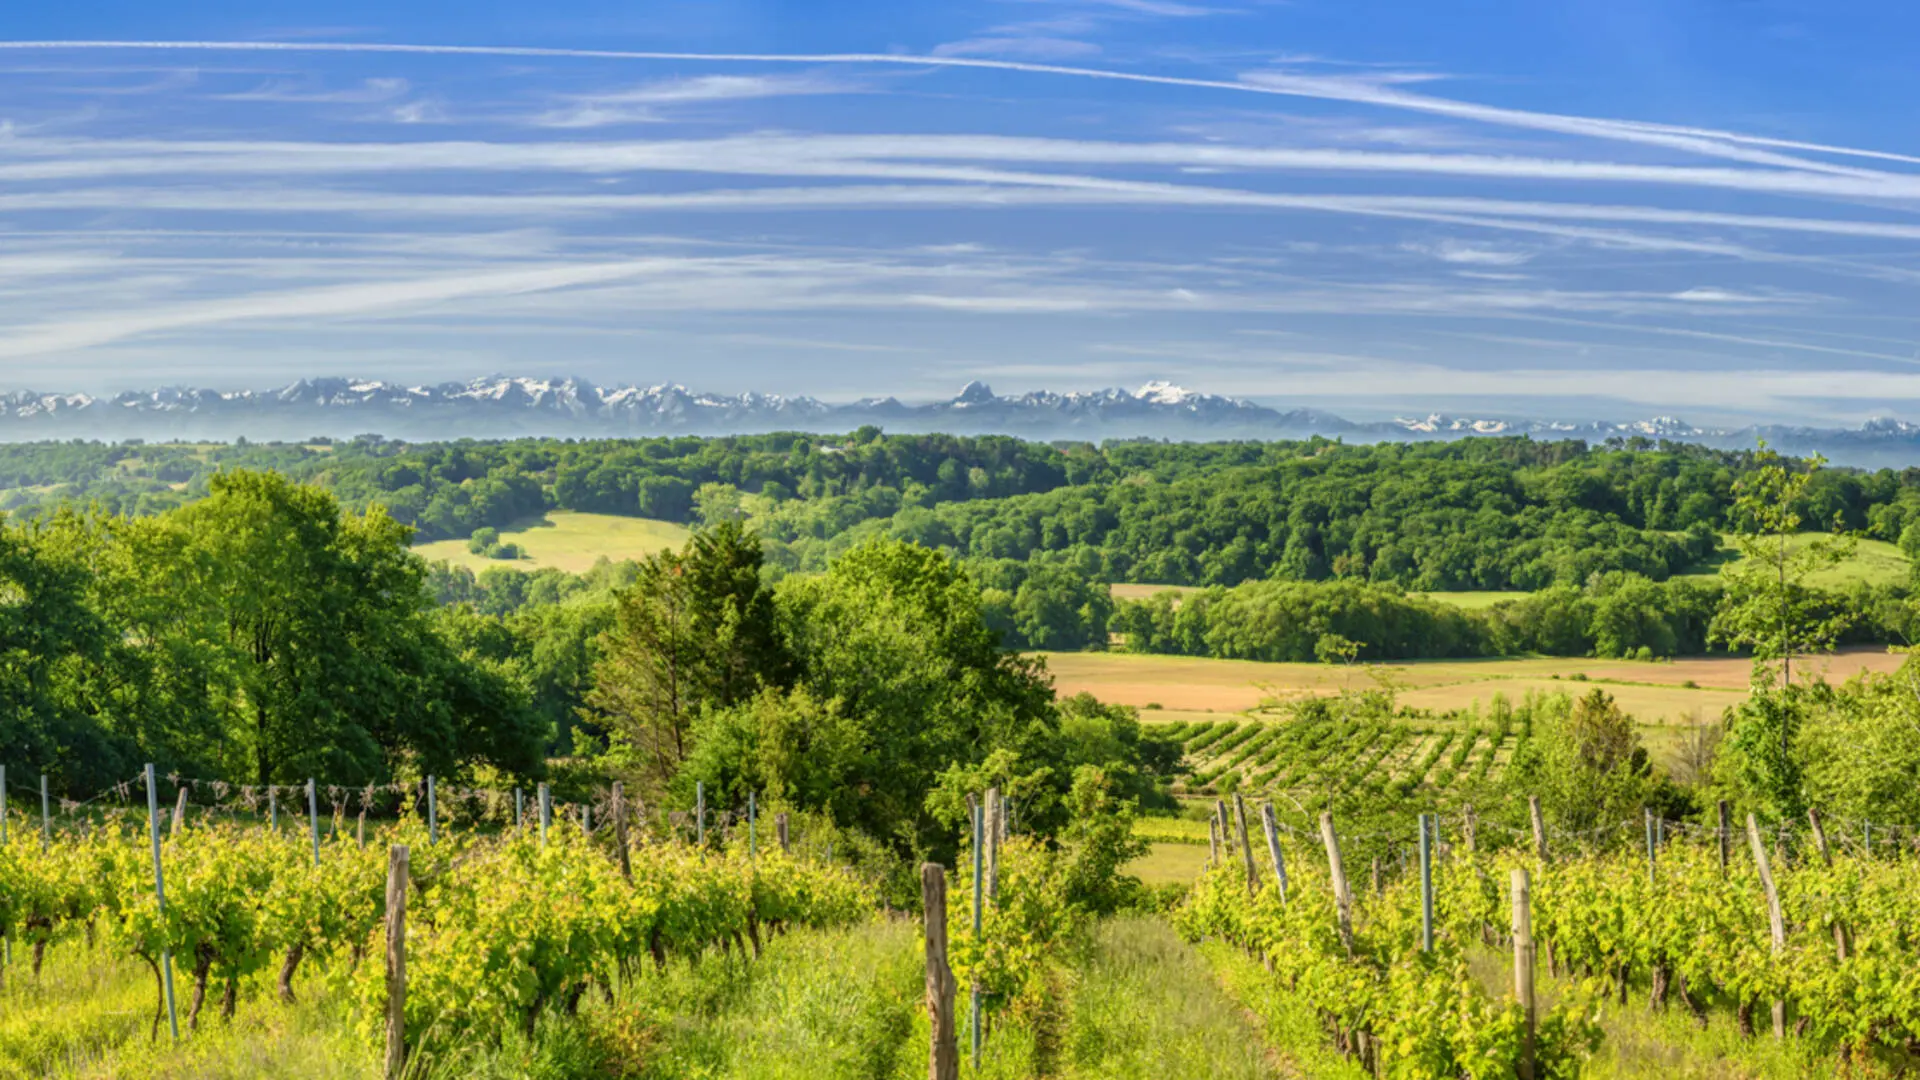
(1603, 210)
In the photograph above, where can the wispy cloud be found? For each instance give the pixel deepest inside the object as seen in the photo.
(1371, 90)
(369, 91)
(651, 102)
(1031, 46)
(1465, 254)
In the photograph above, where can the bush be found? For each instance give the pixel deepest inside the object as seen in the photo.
(484, 540)
(504, 551)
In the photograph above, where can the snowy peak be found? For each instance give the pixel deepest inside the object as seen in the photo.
(504, 406)
(974, 393)
(1164, 393)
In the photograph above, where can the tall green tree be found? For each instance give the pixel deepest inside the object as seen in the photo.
(893, 632)
(326, 660)
(1770, 606)
(694, 631)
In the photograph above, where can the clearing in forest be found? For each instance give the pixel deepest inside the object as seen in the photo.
(566, 540)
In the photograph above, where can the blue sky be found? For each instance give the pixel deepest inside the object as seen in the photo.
(1595, 210)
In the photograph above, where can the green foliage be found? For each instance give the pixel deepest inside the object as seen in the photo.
(694, 631)
(1425, 1012)
(1585, 762)
(259, 633)
(1770, 608)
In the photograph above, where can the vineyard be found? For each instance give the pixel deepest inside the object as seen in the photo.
(1712, 921)
(1323, 751)
(502, 923)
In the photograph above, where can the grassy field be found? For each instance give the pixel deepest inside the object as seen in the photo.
(566, 541)
(1652, 691)
(1473, 601)
(1875, 562)
(1141, 592)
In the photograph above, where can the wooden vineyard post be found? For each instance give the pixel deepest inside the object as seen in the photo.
(179, 812)
(313, 818)
(1776, 923)
(996, 809)
(1342, 895)
(519, 808)
(396, 961)
(433, 813)
(1426, 885)
(700, 812)
(546, 812)
(46, 815)
(360, 831)
(1378, 887)
(1727, 834)
(1246, 843)
(1826, 856)
(780, 830)
(1523, 958)
(943, 1056)
(620, 828)
(1539, 828)
(1469, 829)
(273, 809)
(1213, 842)
(1272, 829)
(979, 903)
(160, 903)
(1651, 876)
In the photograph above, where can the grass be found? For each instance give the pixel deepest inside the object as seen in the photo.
(1474, 600)
(566, 540)
(1171, 830)
(1170, 863)
(1145, 1006)
(1643, 1043)
(1875, 562)
(1128, 591)
(88, 1015)
(1285, 1022)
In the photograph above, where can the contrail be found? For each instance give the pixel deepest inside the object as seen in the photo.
(1681, 137)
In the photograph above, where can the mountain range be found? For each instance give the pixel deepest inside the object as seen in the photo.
(506, 407)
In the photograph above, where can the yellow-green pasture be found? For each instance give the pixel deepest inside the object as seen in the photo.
(566, 540)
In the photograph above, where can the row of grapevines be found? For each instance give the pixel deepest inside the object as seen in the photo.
(501, 928)
(1410, 1013)
(1413, 775)
(1218, 730)
(1704, 938)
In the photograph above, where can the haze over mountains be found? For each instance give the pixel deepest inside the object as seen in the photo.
(505, 407)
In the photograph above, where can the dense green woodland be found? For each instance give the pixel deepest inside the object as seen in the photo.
(1473, 514)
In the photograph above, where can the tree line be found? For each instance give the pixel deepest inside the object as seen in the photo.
(1507, 513)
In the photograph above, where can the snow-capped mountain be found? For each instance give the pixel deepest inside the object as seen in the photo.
(504, 407)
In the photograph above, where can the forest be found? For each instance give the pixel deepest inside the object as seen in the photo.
(1506, 513)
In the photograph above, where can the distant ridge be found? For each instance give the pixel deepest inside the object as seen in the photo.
(501, 406)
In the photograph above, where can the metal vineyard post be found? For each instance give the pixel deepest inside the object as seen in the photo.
(160, 900)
